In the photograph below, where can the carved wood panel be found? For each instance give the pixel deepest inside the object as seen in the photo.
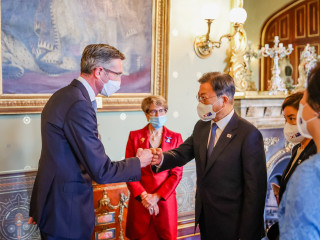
(284, 28)
(298, 24)
(313, 19)
(272, 31)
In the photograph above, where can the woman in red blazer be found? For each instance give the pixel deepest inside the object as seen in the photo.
(152, 210)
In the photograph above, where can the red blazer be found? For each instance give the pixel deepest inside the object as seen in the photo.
(164, 183)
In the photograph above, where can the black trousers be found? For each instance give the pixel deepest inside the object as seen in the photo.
(202, 227)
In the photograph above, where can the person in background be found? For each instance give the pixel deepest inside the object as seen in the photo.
(72, 155)
(230, 164)
(152, 210)
(303, 148)
(299, 210)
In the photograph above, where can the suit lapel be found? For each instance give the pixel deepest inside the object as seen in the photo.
(225, 138)
(203, 144)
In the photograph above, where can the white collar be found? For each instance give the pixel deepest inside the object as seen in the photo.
(90, 91)
(222, 123)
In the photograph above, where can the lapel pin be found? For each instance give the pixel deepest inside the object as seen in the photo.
(168, 140)
(142, 140)
(229, 135)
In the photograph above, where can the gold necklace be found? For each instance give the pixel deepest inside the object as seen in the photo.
(155, 134)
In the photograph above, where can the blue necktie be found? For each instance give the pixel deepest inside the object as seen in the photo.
(211, 141)
(94, 104)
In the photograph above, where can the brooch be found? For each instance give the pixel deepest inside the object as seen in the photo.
(142, 140)
(168, 140)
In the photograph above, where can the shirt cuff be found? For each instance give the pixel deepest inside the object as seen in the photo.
(158, 166)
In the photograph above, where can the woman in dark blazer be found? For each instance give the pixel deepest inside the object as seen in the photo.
(303, 149)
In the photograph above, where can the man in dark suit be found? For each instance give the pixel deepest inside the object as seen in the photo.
(230, 163)
(72, 155)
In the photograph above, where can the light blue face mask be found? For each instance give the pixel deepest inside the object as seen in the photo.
(158, 122)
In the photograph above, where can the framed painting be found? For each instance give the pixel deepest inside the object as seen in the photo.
(42, 42)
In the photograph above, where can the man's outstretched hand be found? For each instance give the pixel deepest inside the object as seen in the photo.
(145, 156)
(157, 156)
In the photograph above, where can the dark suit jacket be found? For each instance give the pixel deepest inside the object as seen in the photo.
(71, 156)
(310, 149)
(231, 189)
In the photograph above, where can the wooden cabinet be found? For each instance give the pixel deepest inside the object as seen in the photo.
(110, 204)
(111, 207)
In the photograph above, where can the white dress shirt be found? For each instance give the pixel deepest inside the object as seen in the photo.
(222, 123)
(90, 91)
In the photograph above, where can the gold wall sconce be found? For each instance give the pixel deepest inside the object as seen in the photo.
(203, 45)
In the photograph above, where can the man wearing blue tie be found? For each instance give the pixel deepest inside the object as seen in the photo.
(72, 155)
(230, 161)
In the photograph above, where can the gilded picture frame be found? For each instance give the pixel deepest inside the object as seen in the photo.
(34, 103)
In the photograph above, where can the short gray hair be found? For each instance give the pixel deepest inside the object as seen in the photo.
(156, 100)
(97, 55)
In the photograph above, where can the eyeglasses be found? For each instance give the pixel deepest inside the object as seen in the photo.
(159, 111)
(119, 74)
(203, 98)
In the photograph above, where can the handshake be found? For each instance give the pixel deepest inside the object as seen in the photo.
(151, 156)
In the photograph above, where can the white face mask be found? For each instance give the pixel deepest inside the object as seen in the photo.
(292, 134)
(302, 124)
(110, 88)
(205, 112)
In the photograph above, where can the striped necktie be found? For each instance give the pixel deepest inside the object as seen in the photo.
(211, 141)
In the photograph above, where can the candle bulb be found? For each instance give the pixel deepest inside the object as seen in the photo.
(267, 46)
(280, 45)
(290, 46)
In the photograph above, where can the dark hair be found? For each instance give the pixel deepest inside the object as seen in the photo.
(222, 83)
(313, 88)
(292, 100)
(98, 55)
